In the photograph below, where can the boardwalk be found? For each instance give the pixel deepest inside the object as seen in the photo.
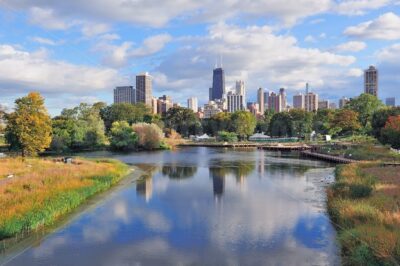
(329, 158)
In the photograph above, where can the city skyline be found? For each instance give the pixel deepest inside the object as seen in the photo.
(73, 53)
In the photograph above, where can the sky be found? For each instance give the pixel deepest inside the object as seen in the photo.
(78, 51)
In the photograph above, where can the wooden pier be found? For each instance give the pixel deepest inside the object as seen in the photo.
(284, 147)
(326, 157)
(221, 145)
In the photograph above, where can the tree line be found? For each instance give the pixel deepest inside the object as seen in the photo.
(30, 129)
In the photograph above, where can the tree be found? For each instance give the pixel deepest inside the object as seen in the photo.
(322, 121)
(243, 123)
(227, 136)
(390, 134)
(346, 121)
(131, 113)
(263, 123)
(122, 136)
(219, 122)
(301, 122)
(29, 126)
(365, 105)
(150, 136)
(281, 125)
(379, 119)
(182, 120)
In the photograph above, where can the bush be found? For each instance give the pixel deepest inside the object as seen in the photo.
(227, 136)
(150, 136)
(360, 191)
(122, 136)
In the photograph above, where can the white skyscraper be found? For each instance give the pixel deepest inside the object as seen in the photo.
(192, 104)
(234, 102)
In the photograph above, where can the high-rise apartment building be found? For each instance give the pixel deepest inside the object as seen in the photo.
(391, 101)
(371, 81)
(164, 103)
(275, 102)
(218, 86)
(343, 101)
(311, 102)
(266, 99)
(144, 88)
(282, 94)
(192, 104)
(234, 102)
(241, 90)
(298, 101)
(323, 104)
(210, 109)
(124, 94)
(260, 100)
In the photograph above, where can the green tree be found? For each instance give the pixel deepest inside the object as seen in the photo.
(122, 136)
(29, 126)
(365, 105)
(346, 121)
(219, 122)
(131, 113)
(263, 123)
(322, 121)
(301, 122)
(243, 123)
(182, 120)
(281, 125)
(227, 136)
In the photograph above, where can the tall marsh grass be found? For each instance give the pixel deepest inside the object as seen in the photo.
(42, 190)
(366, 216)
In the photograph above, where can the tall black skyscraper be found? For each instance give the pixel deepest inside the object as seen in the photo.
(218, 86)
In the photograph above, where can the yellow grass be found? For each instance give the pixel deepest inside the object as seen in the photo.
(38, 183)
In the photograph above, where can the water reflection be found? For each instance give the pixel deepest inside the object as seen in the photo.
(268, 216)
(178, 172)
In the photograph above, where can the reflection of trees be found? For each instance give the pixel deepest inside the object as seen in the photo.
(149, 169)
(287, 168)
(178, 172)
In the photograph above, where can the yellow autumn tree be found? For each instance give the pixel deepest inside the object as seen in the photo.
(29, 126)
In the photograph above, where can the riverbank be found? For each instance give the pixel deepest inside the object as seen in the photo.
(35, 192)
(364, 205)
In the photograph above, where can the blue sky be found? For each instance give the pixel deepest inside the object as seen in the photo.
(78, 51)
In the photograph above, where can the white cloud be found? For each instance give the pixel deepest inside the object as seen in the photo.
(385, 27)
(22, 71)
(355, 72)
(119, 55)
(45, 41)
(93, 29)
(352, 46)
(156, 13)
(310, 38)
(47, 19)
(359, 7)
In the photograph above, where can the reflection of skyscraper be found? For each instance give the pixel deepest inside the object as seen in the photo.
(218, 177)
(261, 163)
(144, 187)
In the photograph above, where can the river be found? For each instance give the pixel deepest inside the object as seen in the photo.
(197, 206)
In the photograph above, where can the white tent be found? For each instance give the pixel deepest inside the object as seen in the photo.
(258, 136)
(202, 137)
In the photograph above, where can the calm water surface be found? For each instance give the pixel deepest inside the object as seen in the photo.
(200, 206)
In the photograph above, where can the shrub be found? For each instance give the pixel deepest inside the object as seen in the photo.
(122, 136)
(150, 136)
(227, 136)
(360, 191)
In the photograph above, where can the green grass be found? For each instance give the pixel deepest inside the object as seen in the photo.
(366, 214)
(34, 199)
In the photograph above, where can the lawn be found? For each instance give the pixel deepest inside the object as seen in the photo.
(35, 192)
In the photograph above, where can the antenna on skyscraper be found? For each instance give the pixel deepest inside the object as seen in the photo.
(220, 55)
(216, 62)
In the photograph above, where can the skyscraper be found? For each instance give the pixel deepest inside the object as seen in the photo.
(241, 90)
(234, 101)
(260, 100)
(371, 81)
(282, 94)
(266, 100)
(192, 104)
(391, 101)
(299, 101)
(343, 101)
(124, 94)
(311, 102)
(323, 104)
(144, 88)
(275, 102)
(218, 87)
